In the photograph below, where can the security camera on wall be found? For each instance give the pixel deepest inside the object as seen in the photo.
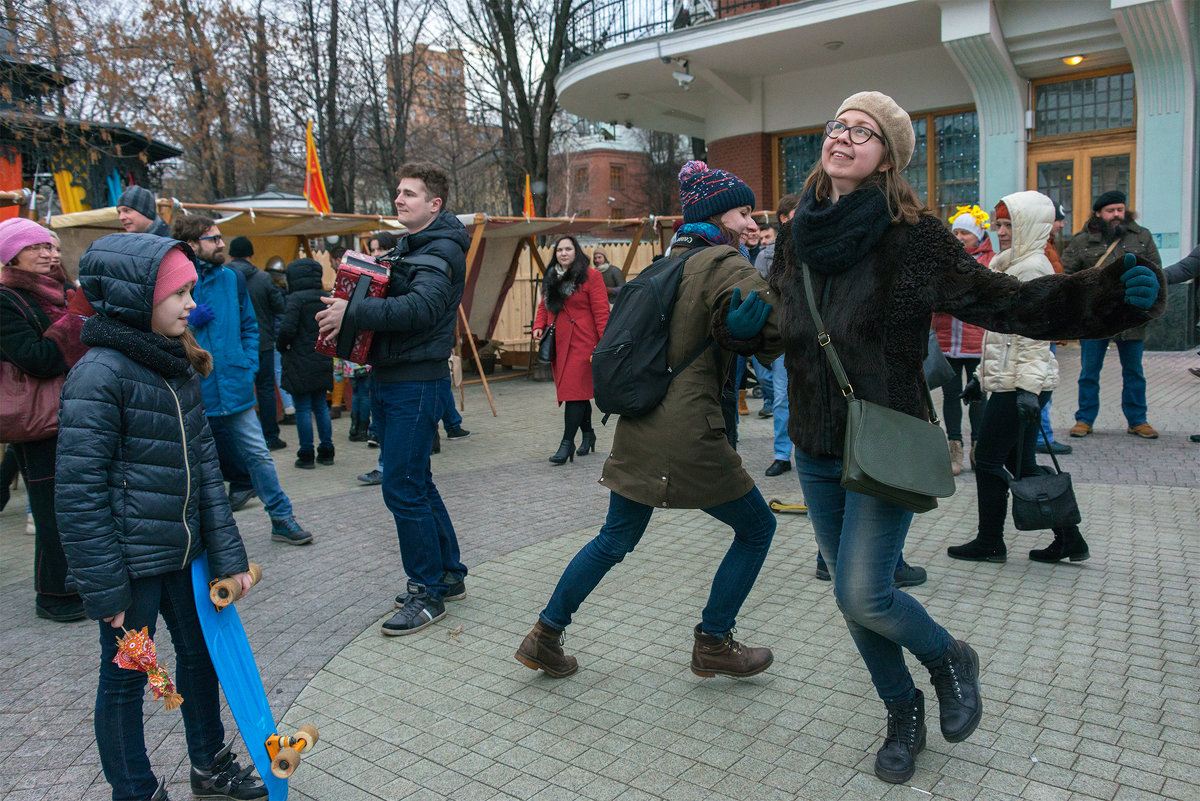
(683, 79)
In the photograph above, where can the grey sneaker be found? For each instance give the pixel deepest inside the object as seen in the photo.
(457, 433)
(419, 611)
(457, 590)
(907, 575)
(374, 478)
(289, 531)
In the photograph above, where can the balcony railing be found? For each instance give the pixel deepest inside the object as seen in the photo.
(601, 24)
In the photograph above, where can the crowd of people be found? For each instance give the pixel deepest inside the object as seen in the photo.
(164, 363)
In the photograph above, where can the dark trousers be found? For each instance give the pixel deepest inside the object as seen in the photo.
(120, 734)
(952, 410)
(264, 390)
(36, 460)
(996, 459)
(577, 415)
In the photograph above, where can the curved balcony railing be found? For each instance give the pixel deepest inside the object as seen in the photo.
(601, 24)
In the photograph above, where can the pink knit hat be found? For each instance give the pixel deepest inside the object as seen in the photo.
(18, 233)
(175, 270)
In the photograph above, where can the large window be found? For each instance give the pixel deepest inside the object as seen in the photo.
(616, 177)
(1084, 105)
(944, 169)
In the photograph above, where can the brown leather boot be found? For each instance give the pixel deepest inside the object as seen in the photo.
(712, 655)
(542, 648)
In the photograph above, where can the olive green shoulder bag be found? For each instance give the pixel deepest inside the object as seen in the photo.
(887, 454)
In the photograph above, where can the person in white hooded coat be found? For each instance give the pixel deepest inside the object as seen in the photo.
(1019, 373)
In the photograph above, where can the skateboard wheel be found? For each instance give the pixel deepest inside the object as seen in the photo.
(308, 733)
(224, 592)
(285, 762)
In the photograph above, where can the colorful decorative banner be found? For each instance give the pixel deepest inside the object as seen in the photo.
(528, 210)
(314, 183)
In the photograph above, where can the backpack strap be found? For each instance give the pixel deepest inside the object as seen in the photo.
(428, 260)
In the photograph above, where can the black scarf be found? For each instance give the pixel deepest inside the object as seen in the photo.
(163, 355)
(557, 288)
(833, 237)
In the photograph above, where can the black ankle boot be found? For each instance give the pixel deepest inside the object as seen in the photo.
(437, 443)
(980, 550)
(955, 677)
(588, 444)
(355, 430)
(566, 450)
(1068, 544)
(325, 454)
(896, 762)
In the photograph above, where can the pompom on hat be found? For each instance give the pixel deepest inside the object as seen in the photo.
(18, 233)
(894, 121)
(705, 192)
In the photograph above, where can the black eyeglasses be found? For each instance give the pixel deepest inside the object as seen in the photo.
(859, 134)
(218, 237)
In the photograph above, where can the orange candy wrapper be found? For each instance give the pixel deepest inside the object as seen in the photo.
(135, 651)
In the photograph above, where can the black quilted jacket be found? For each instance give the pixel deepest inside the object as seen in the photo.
(139, 489)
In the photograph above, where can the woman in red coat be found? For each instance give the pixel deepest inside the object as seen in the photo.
(575, 302)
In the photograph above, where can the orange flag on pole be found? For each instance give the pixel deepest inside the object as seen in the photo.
(314, 183)
(528, 211)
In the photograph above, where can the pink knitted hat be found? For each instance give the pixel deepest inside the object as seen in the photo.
(175, 270)
(18, 233)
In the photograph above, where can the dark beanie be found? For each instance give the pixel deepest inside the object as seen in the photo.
(705, 193)
(1109, 198)
(140, 200)
(1059, 212)
(240, 248)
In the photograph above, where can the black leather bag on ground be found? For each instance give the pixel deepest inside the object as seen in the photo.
(1045, 500)
(546, 346)
(888, 454)
(938, 372)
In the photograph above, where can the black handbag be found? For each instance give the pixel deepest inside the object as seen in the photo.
(546, 346)
(937, 369)
(1045, 500)
(888, 454)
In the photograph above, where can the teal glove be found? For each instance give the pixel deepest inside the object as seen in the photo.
(1141, 286)
(746, 318)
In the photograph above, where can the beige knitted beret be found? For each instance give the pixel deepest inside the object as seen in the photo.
(894, 121)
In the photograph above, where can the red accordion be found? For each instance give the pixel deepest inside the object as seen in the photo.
(358, 276)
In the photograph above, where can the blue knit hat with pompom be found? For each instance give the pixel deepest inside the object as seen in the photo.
(705, 193)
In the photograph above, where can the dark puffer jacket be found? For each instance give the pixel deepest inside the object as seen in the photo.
(304, 370)
(266, 299)
(414, 324)
(139, 487)
(877, 315)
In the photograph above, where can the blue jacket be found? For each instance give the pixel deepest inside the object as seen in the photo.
(231, 337)
(139, 490)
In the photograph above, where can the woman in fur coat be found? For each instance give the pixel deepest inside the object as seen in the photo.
(575, 302)
(880, 267)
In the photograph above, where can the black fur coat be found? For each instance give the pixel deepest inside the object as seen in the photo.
(877, 314)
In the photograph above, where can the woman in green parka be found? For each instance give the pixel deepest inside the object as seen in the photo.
(677, 456)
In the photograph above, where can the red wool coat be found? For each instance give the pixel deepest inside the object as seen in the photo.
(579, 327)
(958, 339)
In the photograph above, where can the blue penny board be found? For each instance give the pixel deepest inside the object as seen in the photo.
(234, 662)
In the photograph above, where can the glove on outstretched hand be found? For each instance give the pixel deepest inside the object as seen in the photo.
(201, 316)
(971, 392)
(1141, 285)
(1028, 408)
(746, 318)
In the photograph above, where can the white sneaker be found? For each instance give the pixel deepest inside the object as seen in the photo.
(30, 528)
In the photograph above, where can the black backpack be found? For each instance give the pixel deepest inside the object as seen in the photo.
(630, 374)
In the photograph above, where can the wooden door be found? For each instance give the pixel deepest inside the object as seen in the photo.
(1073, 174)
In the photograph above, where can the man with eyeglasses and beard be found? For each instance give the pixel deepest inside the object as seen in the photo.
(1111, 226)
(226, 326)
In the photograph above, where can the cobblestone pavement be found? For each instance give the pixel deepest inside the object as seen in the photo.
(1089, 670)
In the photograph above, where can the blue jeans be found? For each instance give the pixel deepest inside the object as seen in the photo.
(779, 410)
(862, 538)
(283, 396)
(753, 527)
(762, 373)
(406, 415)
(243, 433)
(1133, 380)
(120, 735)
(264, 391)
(309, 407)
(451, 419)
(360, 397)
(1045, 412)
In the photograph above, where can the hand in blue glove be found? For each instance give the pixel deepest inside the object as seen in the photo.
(746, 318)
(1028, 408)
(1141, 285)
(201, 316)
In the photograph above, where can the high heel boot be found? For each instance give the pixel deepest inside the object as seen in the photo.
(566, 450)
(588, 444)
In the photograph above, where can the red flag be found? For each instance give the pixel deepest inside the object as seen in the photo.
(314, 183)
(528, 210)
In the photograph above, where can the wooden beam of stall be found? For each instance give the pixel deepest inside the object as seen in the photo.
(476, 240)
(462, 316)
(537, 257)
(633, 246)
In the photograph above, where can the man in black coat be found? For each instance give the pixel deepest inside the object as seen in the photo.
(414, 333)
(268, 304)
